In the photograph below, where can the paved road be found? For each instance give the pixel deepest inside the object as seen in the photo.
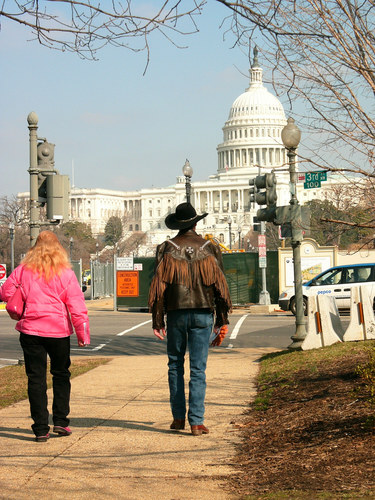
(129, 333)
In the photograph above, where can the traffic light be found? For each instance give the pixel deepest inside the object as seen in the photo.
(256, 224)
(294, 221)
(46, 162)
(263, 192)
(58, 192)
(266, 182)
(46, 154)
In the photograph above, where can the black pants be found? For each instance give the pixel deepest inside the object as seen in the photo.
(35, 350)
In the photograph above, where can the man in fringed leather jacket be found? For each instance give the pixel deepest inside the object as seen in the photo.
(189, 286)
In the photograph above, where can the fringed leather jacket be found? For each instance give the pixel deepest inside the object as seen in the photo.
(188, 275)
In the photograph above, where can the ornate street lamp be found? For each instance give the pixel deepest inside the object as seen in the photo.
(229, 220)
(291, 136)
(11, 235)
(71, 247)
(188, 173)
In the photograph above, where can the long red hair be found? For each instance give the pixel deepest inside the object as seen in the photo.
(47, 257)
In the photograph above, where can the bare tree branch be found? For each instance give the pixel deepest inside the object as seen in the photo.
(87, 27)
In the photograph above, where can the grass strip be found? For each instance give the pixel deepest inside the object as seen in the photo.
(13, 379)
(278, 369)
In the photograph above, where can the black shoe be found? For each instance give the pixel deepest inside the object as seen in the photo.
(178, 424)
(42, 439)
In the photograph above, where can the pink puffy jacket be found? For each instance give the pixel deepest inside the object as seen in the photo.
(51, 307)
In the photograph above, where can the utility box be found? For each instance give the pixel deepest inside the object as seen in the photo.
(58, 193)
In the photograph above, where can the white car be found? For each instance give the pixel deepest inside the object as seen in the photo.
(336, 281)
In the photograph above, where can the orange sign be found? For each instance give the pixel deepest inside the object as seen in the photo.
(127, 284)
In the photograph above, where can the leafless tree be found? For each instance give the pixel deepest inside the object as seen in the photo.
(13, 211)
(85, 27)
(322, 56)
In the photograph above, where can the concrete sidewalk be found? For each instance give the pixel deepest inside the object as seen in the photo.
(121, 446)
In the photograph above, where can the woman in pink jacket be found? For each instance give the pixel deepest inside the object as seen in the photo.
(53, 301)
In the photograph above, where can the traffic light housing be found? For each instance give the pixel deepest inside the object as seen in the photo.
(263, 192)
(294, 221)
(256, 224)
(58, 192)
(46, 162)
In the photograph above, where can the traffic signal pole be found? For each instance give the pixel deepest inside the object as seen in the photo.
(264, 296)
(47, 186)
(32, 120)
(291, 135)
(301, 332)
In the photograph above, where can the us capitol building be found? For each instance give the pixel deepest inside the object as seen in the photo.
(251, 145)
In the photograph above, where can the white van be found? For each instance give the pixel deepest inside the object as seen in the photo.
(336, 281)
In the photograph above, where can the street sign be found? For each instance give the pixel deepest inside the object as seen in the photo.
(127, 284)
(125, 263)
(262, 250)
(312, 184)
(3, 271)
(314, 179)
(315, 176)
(262, 261)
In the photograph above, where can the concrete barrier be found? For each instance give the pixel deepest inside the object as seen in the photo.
(362, 319)
(324, 326)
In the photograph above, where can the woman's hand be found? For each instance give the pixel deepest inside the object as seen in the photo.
(160, 333)
(81, 344)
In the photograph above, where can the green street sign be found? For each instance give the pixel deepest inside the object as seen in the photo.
(312, 184)
(315, 176)
(314, 179)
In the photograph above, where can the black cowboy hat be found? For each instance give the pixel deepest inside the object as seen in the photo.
(185, 217)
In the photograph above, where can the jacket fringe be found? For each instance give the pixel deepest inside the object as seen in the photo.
(182, 272)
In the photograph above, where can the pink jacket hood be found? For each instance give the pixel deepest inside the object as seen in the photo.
(51, 307)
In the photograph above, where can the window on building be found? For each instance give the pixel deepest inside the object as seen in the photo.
(221, 238)
(130, 227)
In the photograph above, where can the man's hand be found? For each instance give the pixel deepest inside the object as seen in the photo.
(81, 344)
(220, 332)
(160, 333)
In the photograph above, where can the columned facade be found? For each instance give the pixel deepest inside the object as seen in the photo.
(251, 145)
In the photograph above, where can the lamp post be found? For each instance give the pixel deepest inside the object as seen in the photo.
(97, 250)
(239, 238)
(291, 136)
(71, 247)
(11, 235)
(229, 220)
(188, 173)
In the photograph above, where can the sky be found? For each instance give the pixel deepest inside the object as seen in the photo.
(114, 127)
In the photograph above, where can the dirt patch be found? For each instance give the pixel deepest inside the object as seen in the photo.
(315, 435)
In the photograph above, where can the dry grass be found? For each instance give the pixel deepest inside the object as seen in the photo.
(13, 380)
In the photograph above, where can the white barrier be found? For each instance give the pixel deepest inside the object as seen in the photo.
(362, 320)
(323, 323)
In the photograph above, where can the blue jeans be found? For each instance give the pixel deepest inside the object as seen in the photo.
(192, 328)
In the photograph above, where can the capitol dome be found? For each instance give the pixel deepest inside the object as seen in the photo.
(252, 133)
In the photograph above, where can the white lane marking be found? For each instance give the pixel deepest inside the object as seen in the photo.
(100, 346)
(133, 328)
(236, 329)
(11, 360)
